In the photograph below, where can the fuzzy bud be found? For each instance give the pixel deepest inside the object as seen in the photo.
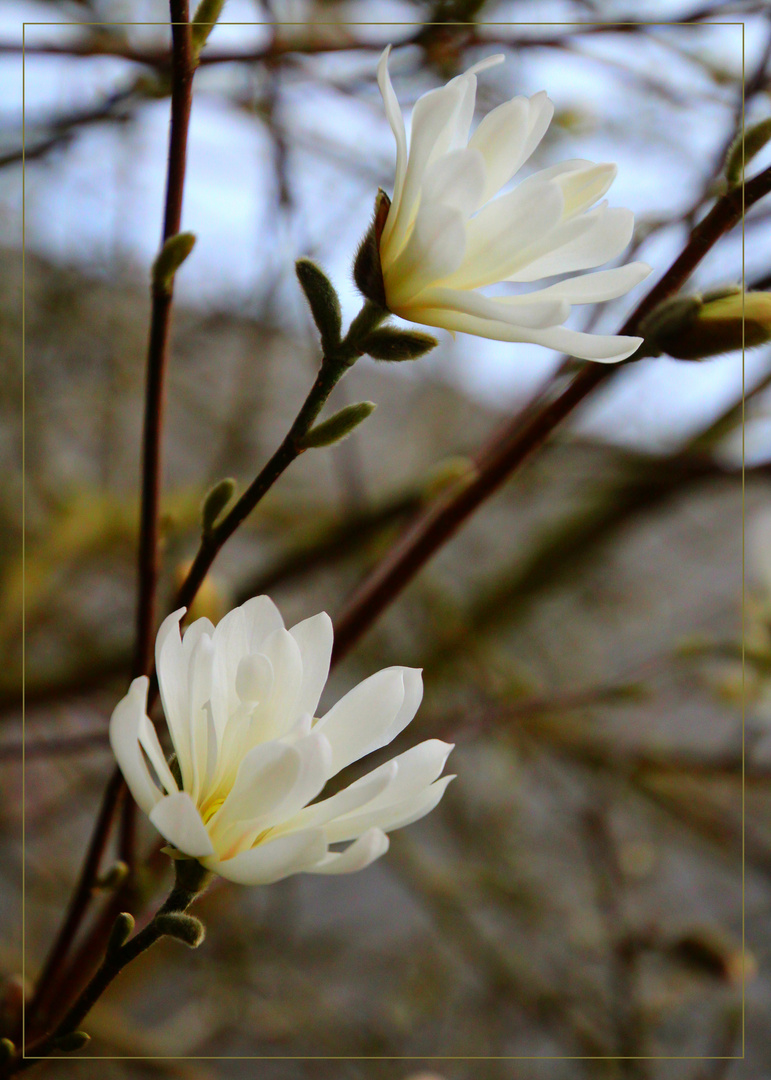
(185, 928)
(72, 1041)
(367, 271)
(215, 501)
(337, 427)
(7, 1050)
(113, 877)
(323, 302)
(120, 933)
(744, 148)
(171, 256)
(696, 327)
(390, 344)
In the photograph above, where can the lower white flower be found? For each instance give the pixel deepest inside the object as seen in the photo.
(239, 701)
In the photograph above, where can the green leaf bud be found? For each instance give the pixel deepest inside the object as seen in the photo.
(206, 15)
(171, 256)
(744, 148)
(121, 931)
(391, 344)
(215, 501)
(185, 928)
(367, 271)
(323, 301)
(707, 326)
(72, 1041)
(337, 427)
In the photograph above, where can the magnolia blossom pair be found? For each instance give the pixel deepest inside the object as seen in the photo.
(446, 237)
(240, 702)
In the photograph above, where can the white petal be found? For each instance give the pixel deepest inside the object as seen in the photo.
(508, 233)
(276, 859)
(413, 695)
(582, 188)
(581, 244)
(148, 739)
(596, 287)
(389, 817)
(242, 631)
(194, 633)
(433, 120)
(351, 798)
(264, 779)
(314, 638)
(359, 720)
(396, 120)
(434, 251)
(281, 711)
(199, 695)
(125, 724)
(370, 846)
(172, 667)
(177, 819)
(254, 678)
(417, 769)
(500, 138)
(517, 310)
(605, 348)
(457, 179)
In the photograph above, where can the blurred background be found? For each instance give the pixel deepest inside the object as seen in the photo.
(578, 901)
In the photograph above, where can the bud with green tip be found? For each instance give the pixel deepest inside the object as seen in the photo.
(121, 931)
(744, 148)
(696, 327)
(72, 1041)
(206, 15)
(171, 256)
(337, 427)
(323, 301)
(185, 928)
(7, 1050)
(114, 877)
(391, 344)
(215, 501)
(367, 270)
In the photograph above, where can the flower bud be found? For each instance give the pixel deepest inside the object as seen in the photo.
(215, 501)
(203, 22)
(695, 327)
(390, 344)
(113, 877)
(7, 1050)
(185, 928)
(337, 427)
(323, 301)
(743, 149)
(367, 271)
(171, 256)
(72, 1041)
(120, 933)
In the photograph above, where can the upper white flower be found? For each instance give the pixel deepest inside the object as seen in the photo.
(239, 700)
(444, 240)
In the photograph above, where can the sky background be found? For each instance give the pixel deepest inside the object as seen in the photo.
(652, 104)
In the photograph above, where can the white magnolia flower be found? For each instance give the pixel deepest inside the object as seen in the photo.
(239, 700)
(444, 239)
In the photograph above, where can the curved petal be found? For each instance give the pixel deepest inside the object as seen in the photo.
(370, 846)
(274, 717)
(357, 723)
(148, 740)
(177, 819)
(396, 120)
(126, 722)
(348, 800)
(580, 243)
(526, 310)
(596, 287)
(413, 695)
(500, 138)
(434, 251)
(389, 817)
(172, 667)
(314, 639)
(604, 348)
(265, 777)
(456, 179)
(417, 769)
(273, 860)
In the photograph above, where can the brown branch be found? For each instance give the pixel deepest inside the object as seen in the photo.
(183, 67)
(525, 434)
